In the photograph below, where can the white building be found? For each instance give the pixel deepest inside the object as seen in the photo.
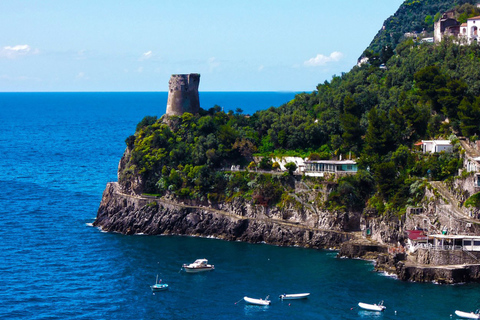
(317, 168)
(449, 26)
(299, 162)
(472, 27)
(433, 146)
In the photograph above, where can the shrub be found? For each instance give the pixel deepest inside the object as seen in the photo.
(473, 201)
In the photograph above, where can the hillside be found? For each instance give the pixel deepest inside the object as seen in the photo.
(417, 16)
(374, 113)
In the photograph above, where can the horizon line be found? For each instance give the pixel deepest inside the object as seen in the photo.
(134, 91)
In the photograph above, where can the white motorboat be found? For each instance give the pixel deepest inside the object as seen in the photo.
(372, 307)
(200, 265)
(258, 302)
(293, 296)
(159, 286)
(468, 315)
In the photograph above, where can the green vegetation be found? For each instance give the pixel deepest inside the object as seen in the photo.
(473, 201)
(417, 16)
(374, 113)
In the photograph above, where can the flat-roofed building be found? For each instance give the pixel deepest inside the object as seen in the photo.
(317, 168)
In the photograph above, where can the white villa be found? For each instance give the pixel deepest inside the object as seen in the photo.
(469, 30)
(433, 146)
(300, 162)
(317, 168)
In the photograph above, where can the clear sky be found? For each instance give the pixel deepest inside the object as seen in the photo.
(135, 45)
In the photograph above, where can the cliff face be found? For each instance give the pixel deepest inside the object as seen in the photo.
(130, 214)
(123, 209)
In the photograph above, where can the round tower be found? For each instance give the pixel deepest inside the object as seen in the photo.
(183, 94)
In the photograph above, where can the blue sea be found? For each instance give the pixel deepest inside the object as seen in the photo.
(58, 151)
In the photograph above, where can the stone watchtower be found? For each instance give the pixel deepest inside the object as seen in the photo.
(183, 94)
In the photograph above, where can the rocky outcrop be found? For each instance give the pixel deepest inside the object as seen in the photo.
(363, 249)
(439, 274)
(131, 214)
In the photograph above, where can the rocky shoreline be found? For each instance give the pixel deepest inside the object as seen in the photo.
(132, 214)
(129, 214)
(397, 264)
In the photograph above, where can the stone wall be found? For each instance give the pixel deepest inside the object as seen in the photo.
(444, 257)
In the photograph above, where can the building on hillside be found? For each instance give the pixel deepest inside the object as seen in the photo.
(432, 146)
(472, 164)
(472, 27)
(317, 168)
(456, 242)
(446, 26)
(299, 162)
(420, 239)
(427, 40)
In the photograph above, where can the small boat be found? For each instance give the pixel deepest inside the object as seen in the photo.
(258, 302)
(199, 265)
(372, 307)
(159, 286)
(468, 315)
(294, 296)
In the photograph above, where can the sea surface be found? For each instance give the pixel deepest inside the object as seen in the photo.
(58, 151)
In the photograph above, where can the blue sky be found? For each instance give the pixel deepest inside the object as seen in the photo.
(120, 45)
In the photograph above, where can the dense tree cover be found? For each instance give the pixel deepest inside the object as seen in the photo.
(418, 16)
(373, 113)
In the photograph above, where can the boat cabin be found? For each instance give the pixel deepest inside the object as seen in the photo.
(201, 262)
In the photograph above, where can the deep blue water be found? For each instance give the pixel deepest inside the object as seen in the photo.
(58, 151)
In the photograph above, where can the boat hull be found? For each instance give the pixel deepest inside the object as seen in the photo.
(294, 296)
(467, 315)
(258, 302)
(197, 269)
(371, 307)
(159, 287)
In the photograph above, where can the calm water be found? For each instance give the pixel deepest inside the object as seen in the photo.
(58, 150)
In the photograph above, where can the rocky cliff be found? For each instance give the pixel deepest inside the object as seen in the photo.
(133, 214)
